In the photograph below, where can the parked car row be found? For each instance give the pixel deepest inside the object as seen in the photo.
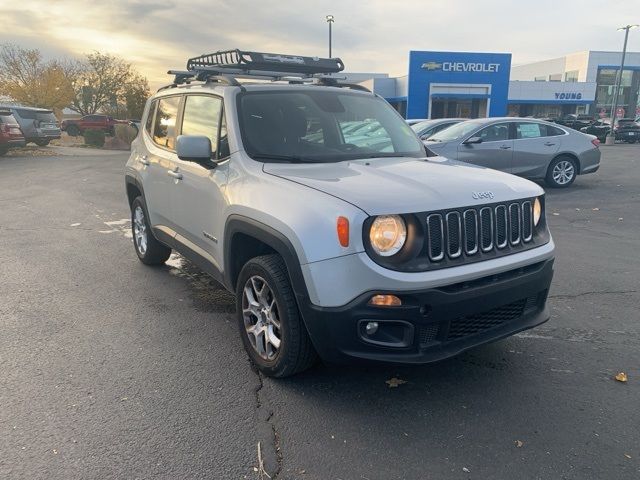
(38, 125)
(530, 148)
(626, 130)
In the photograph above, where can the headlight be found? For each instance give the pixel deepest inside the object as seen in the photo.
(388, 234)
(537, 211)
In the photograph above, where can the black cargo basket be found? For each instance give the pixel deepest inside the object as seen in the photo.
(269, 63)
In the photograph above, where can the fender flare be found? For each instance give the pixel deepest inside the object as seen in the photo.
(271, 237)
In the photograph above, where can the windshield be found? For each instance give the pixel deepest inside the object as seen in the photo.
(455, 132)
(420, 126)
(322, 126)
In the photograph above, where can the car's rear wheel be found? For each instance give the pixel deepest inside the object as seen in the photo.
(73, 130)
(562, 172)
(149, 250)
(271, 327)
(42, 142)
(3, 151)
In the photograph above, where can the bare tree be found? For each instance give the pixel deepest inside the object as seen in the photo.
(101, 83)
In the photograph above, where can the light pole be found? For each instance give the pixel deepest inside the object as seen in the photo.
(611, 138)
(330, 20)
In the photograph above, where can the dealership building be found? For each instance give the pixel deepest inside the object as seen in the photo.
(472, 85)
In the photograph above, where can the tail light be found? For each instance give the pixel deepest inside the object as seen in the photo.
(4, 128)
(596, 142)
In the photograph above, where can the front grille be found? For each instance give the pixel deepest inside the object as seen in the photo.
(463, 327)
(478, 323)
(478, 230)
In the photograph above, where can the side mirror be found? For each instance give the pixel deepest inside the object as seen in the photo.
(472, 140)
(194, 148)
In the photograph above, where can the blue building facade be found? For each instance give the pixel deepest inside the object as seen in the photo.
(456, 84)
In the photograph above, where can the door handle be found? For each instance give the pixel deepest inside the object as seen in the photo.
(549, 144)
(174, 174)
(505, 147)
(143, 160)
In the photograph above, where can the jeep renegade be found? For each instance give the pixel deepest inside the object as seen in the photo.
(314, 202)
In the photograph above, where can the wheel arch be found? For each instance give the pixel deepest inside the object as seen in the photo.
(246, 238)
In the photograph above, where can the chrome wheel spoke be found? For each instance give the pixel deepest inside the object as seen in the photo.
(140, 230)
(261, 319)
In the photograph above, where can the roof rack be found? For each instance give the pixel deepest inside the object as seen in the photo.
(269, 64)
(223, 66)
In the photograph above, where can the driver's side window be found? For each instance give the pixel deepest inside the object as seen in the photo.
(494, 133)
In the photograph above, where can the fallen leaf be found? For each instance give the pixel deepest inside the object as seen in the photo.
(595, 209)
(466, 470)
(621, 377)
(394, 382)
(519, 444)
(620, 219)
(556, 214)
(627, 455)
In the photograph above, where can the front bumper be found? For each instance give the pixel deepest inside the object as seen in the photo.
(435, 323)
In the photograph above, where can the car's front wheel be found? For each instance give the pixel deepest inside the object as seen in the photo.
(271, 327)
(562, 172)
(42, 142)
(149, 250)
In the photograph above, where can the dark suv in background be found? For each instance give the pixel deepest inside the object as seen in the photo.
(10, 134)
(38, 125)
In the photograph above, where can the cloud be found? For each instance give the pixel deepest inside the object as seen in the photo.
(376, 35)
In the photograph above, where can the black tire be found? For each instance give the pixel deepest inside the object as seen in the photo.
(562, 159)
(73, 130)
(42, 142)
(631, 141)
(154, 253)
(296, 352)
(3, 151)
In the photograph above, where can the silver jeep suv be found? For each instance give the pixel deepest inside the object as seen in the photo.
(339, 240)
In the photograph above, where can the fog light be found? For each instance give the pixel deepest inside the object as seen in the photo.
(385, 301)
(371, 328)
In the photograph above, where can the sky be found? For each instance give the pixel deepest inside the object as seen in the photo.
(369, 36)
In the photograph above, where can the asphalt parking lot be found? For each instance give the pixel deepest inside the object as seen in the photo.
(110, 369)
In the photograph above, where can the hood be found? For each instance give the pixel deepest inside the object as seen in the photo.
(405, 185)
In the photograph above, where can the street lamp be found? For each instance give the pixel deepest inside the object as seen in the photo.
(330, 20)
(611, 138)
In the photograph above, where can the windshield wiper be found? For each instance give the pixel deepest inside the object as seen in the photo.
(282, 158)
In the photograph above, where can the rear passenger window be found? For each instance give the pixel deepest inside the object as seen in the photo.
(164, 129)
(202, 117)
(150, 115)
(554, 131)
(530, 130)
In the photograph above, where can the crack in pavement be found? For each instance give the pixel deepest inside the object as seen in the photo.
(270, 453)
(611, 292)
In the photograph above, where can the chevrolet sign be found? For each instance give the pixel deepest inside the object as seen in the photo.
(462, 67)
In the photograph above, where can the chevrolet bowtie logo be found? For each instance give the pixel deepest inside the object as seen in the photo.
(432, 66)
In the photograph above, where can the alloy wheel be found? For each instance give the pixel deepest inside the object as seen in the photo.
(140, 230)
(563, 172)
(261, 317)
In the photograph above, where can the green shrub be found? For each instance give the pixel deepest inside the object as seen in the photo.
(95, 138)
(125, 133)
